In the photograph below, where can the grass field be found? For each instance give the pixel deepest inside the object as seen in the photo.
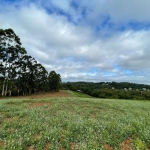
(70, 123)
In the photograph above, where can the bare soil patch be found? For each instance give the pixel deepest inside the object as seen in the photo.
(107, 147)
(31, 148)
(61, 93)
(40, 104)
(47, 146)
(126, 145)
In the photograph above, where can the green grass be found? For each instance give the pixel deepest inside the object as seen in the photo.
(79, 94)
(74, 123)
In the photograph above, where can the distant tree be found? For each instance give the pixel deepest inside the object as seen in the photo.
(54, 81)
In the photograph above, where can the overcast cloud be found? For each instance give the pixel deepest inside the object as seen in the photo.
(84, 40)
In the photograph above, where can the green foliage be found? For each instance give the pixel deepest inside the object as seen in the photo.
(54, 81)
(20, 74)
(139, 144)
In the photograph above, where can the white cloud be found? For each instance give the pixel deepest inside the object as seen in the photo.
(119, 11)
(62, 4)
(76, 50)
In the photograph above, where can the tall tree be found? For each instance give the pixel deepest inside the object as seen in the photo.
(41, 79)
(54, 80)
(10, 53)
(19, 72)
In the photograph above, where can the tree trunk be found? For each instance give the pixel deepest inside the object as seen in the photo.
(3, 88)
(6, 89)
(18, 92)
(10, 90)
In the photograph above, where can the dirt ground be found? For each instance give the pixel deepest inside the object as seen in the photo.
(61, 93)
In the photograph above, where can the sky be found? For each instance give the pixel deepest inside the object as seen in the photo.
(84, 40)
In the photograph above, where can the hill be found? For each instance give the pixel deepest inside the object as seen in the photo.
(121, 90)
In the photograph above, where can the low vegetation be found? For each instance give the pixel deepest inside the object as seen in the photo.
(71, 123)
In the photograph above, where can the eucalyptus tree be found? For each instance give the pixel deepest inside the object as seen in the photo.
(54, 80)
(32, 76)
(41, 79)
(10, 53)
(20, 72)
(26, 76)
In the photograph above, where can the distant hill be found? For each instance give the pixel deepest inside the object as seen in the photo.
(120, 90)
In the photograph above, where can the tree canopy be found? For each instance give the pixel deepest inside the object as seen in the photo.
(20, 74)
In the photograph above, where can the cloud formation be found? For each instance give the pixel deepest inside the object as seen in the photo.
(98, 40)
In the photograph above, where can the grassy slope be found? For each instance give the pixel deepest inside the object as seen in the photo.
(74, 123)
(79, 94)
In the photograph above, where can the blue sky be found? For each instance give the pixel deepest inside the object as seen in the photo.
(84, 40)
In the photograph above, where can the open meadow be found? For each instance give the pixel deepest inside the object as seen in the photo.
(73, 122)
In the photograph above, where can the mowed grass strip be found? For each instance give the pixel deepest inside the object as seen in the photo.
(79, 94)
(74, 123)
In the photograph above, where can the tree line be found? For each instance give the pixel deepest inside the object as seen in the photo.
(117, 90)
(21, 74)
